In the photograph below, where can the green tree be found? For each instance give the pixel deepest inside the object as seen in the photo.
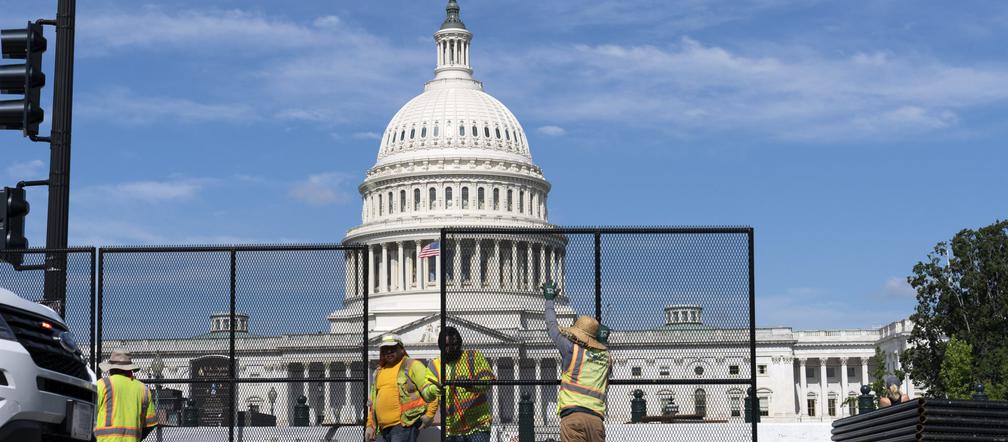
(957, 369)
(962, 291)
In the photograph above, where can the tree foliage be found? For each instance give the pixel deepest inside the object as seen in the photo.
(956, 369)
(962, 292)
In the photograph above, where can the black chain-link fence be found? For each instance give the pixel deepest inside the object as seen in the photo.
(252, 343)
(679, 303)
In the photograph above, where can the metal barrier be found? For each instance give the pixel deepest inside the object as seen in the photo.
(928, 419)
(241, 336)
(679, 303)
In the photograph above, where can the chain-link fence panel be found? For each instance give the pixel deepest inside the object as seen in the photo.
(677, 304)
(76, 304)
(242, 337)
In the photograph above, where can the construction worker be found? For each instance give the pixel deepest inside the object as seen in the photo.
(468, 411)
(402, 398)
(581, 402)
(125, 411)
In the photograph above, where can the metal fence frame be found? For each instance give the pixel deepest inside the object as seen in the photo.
(598, 232)
(233, 379)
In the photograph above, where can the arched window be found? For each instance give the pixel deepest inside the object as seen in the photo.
(507, 135)
(497, 129)
(700, 402)
(416, 199)
(435, 131)
(402, 201)
(509, 199)
(475, 131)
(448, 197)
(390, 206)
(423, 132)
(479, 198)
(465, 198)
(496, 199)
(432, 199)
(403, 135)
(486, 131)
(811, 399)
(521, 201)
(735, 402)
(380, 204)
(461, 130)
(412, 132)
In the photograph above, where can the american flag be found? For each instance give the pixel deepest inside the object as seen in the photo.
(430, 250)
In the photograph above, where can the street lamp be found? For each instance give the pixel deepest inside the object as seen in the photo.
(157, 369)
(272, 396)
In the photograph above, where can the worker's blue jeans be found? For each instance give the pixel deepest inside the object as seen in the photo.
(479, 436)
(400, 433)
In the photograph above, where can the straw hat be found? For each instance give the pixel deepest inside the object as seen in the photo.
(584, 332)
(119, 360)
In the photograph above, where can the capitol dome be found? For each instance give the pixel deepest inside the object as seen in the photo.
(451, 156)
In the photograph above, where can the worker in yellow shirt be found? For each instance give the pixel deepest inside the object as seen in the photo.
(402, 398)
(125, 411)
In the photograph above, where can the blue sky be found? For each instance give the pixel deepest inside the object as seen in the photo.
(852, 135)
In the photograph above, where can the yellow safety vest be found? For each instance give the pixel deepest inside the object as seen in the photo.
(412, 379)
(585, 381)
(468, 410)
(124, 409)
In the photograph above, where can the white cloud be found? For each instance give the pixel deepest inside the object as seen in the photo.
(28, 170)
(553, 131)
(367, 135)
(787, 92)
(127, 107)
(898, 287)
(145, 191)
(322, 189)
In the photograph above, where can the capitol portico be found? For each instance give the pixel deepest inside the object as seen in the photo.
(456, 156)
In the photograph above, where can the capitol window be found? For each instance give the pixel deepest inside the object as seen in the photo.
(497, 129)
(663, 370)
(475, 131)
(465, 198)
(435, 131)
(403, 135)
(733, 369)
(402, 201)
(509, 198)
(486, 131)
(635, 372)
(496, 199)
(380, 204)
(507, 135)
(432, 201)
(461, 130)
(761, 370)
(521, 201)
(423, 132)
(390, 206)
(416, 199)
(479, 198)
(412, 132)
(448, 197)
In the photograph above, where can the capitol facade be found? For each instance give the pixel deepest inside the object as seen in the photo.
(456, 156)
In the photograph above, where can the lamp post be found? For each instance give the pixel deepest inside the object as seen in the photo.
(272, 396)
(157, 369)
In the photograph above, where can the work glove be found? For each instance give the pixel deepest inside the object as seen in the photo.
(603, 334)
(431, 392)
(549, 290)
(369, 434)
(426, 421)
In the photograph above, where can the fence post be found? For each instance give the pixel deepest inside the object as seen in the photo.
(301, 412)
(638, 407)
(866, 402)
(979, 395)
(526, 430)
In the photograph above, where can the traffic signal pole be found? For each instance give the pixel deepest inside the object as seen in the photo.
(59, 163)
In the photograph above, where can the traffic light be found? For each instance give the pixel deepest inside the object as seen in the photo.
(13, 208)
(22, 79)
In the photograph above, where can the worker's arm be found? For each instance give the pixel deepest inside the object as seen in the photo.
(432, 377)
(563, 344)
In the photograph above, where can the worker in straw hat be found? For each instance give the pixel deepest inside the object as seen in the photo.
(402, 398)
(125, 411)
(581, 402)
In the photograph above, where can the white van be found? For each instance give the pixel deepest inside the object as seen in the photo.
(47, 391)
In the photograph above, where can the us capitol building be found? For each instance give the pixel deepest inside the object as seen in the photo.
(456, 156)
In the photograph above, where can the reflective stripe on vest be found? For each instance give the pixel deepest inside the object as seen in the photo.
(411, 404)
(584, 382)
(126, 411)
(466, 411)
(118, 431)
(109, 401)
